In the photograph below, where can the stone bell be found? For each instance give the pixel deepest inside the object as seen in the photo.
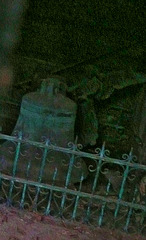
(47, 113)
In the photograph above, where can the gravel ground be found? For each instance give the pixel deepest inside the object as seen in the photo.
(23, 225)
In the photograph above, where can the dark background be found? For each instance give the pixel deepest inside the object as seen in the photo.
(98, 47)
(71, 31)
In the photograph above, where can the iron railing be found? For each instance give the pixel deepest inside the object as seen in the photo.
(114, 194)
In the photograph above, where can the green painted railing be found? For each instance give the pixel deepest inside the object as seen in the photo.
(113, 197)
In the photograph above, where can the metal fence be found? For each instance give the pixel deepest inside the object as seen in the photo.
(113, 195)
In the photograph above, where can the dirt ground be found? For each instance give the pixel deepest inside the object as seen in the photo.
(24, 225)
